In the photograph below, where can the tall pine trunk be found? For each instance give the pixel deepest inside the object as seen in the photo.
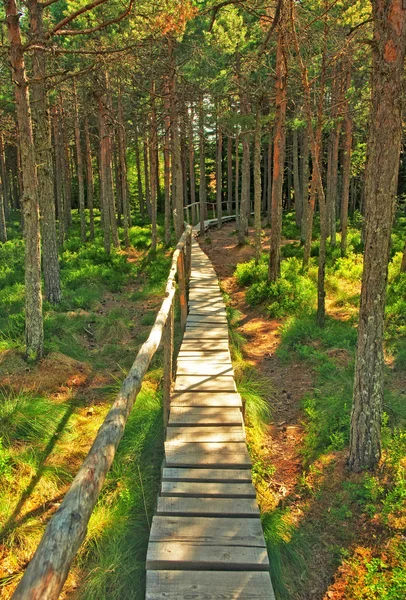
(192, 175)
(43, 155)
(346, 169)
(34, 330)
(279, 148)
(229, 175)
(381, 176)
(123, 182)
(257, 186)
(153, 168)
(89, 178)
(79, 166)
(296, 180)
(219, 176)
(59, 180)
(202, 163)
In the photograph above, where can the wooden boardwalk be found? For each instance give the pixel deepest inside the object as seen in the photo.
(206, 539)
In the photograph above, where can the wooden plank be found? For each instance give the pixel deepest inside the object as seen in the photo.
(200, 557)
(205, 383)
(200, 416)
(206, 434)
(208, 585)
(192, 353)
(221, 399)
(202, 475)
(219, 454)
(205, 345)
(204, 368)
(209, 334)
(207, 490)
(208, 530)
(206, 318)
(205, 310)
(208, 507)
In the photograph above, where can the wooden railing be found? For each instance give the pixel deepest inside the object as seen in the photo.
(65, 532)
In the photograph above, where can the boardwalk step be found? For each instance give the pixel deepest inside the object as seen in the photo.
(202, 454)
(205, 383)
(200, 557)
(208, 507)
(207, 490)
(205, 434)
(205, 345)
(208, 585)
(206, 319)
(200, 416)
(205, 530)
(216, 399)
(203, 368)
(207, 475)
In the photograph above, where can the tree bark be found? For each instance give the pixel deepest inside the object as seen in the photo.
(346, 169)
(122, 147)
(278, 152)
(257, 186)
(43, 154)
(178, 217)
(296, 180)
(269, 187)
(3, 196)
(34, 330)
(307, 204)
(138, 168)
(192, 175)
(219, 176)
(381, 176)
(229, 175)
(59, 180)
(202, 162)
(167, 165)
(89, 178)
(79, 166)
(403, 264)
(146, 177)
(237, 179)
(153, 168)
(65, 157)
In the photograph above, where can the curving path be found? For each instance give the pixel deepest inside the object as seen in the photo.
(206, 540)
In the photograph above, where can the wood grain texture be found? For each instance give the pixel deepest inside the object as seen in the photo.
(207, 474)
(207, 490)
(213, 454)
(208, 585)
(220, 399)
(205, 434)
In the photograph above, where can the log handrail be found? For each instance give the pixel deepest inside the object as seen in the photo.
(65, 532)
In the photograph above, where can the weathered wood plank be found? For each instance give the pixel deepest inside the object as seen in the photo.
(208, 585)
(202, 475)
(208, 530)
(205, 383)
(207, 329)
(208, 507)
(216, 346)
(204, 368)
(206, 319)
(221, 399)
(207, 490)
(204, 416)
(205, 434)
(175, 555)
(210, 334)
(219, 454)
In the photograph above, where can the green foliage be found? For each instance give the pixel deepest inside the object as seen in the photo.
(294, 292)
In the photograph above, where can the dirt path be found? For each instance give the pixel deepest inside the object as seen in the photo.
(262, 340)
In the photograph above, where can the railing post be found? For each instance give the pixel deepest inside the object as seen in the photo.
(182, 290)
(188, 256)
(193, 214)
(168, 336)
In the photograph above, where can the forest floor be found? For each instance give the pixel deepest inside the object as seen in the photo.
(331, 534)
(50, 413)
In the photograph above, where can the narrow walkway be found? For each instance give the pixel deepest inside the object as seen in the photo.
(206, 540)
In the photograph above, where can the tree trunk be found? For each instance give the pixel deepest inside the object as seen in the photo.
(306, 202)
(138, 167)
(79, 165)
(278, 153)
(237, 179)
(146, 177)
(381, 176)
(43, 154)
(153, 170)
(229, 175)
(34, 330)
(257, 186)
(177, 201)
(4, 177)
(192, 175)
(296, 181)
(104, 181)
(167, 164)
(346, 170)
(264, 179)
(269, 187)
(202, 162)
(59, 179)
(219, 176)
(67, 182)
(245, 189)
(89, 178)
(3, 196)
(123, 171)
